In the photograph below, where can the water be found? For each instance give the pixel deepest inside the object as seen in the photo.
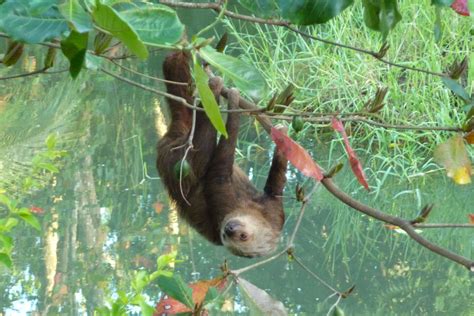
(105, 215)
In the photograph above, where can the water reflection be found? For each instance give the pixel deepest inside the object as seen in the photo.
(108, 216)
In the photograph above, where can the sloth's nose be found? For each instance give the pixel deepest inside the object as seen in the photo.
(231, 227)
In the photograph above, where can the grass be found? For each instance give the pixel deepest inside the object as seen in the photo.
(330, 79)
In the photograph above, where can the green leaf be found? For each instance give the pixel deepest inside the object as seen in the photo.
(245, 77)
(177, 289)
(164, 260)
(208, 100)
(76, 15)
(6, 260)
(146, 310)
(261, 8)
(7, 242)
(32, 21)
(110, 21)
(140, 280)
(51, 141)
(29, 218)
(6, 224)
(155, 24)
(74, 48)
(456, 88)
(306, 12)
(212, 294)
(5, 200)
(48, 166)
(381, 16)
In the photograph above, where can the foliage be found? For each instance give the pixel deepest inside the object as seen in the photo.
(44, 164)
(141, 279)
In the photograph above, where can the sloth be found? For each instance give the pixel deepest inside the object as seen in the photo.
(216, 197)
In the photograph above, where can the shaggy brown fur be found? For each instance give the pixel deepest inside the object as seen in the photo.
(223, 205)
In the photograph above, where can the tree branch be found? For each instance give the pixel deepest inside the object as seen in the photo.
(403, 224)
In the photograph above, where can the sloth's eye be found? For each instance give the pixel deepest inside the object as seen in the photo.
(243, 236)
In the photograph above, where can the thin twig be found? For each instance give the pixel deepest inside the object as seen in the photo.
(172, 96)
(314, 275)
(300, 215)
(334, 305)
(217, 20)
(357, 119)
(42, 71)
(443, 225)
(147, 76)
(259, 263)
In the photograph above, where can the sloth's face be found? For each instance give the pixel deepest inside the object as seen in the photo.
(248, 235)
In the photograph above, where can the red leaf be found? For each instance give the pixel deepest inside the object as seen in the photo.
(469, 137)
(158, 207)
(353, 160)
(36, 210)
(170, 306)
(460, 6)
(297, 155)
(471, 219)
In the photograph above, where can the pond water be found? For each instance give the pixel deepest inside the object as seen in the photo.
(105, 215)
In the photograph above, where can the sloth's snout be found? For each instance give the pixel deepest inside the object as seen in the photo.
(231, 227)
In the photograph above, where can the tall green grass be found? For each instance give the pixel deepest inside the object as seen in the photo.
(331, 79)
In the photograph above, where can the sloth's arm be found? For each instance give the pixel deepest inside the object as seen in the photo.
(277, 175)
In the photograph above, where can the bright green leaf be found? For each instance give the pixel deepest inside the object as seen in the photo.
(6, 260)
(29, 218)
(51, 141)
(6, 224)
(208, 100)
(245, 77)
(7, 242)
(164, 260)
(140, 280)
(74, 48)
(306, 12)
(5, 200)
(76, 15)
(177, 289)
(32, 21)
(48, 166)
(155, 24)
(110, 21)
